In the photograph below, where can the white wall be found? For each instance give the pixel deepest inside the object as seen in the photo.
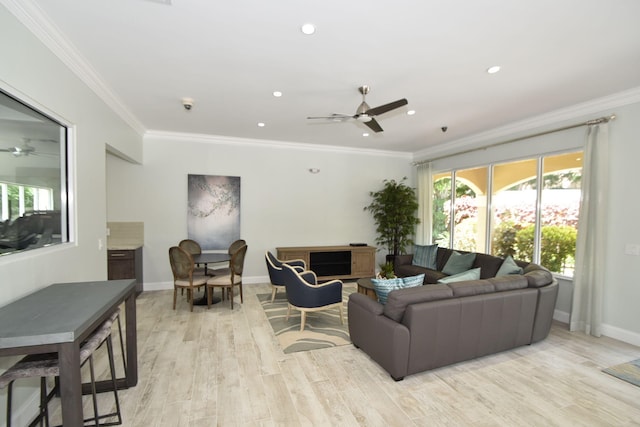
(622, 290)
(31, 71)
(282, 204)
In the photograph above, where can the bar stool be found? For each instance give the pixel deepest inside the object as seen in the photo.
(46, 365)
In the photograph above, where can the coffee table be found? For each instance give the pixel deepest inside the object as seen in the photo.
(366, 287)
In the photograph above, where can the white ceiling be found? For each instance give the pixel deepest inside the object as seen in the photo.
(230, 56)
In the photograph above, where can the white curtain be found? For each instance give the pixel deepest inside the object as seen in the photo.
(588, 279)
(425, 192)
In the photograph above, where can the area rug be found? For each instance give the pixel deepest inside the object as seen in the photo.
(322, 329)
(629, 372)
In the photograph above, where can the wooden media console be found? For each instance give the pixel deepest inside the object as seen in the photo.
(334, 262)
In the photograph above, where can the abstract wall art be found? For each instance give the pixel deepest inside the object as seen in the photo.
(213, 216)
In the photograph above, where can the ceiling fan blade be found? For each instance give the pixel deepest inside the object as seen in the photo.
(334, 116)
(387, 107)
(373, 125)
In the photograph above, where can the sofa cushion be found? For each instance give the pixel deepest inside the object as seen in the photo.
(509, 266)
(488, 263)
(458, 263)
(430, 276)
(471, 287)
(537, 276)
(509, 283)
(425, 256)
(384, 286)
(398, 300)
(473, 274)
(442, 257)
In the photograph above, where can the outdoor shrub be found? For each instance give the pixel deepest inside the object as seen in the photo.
(557, 246)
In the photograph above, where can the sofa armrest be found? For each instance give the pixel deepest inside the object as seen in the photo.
(547, 298)
(384, 340)
(367, 304)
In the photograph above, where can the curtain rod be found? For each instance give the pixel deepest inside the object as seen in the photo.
(599, 120)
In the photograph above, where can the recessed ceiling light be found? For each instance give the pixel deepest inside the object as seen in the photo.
(411, 112)
(365, 134)
(260, 124)
(277, 94)
(308, 29)
(493, 70)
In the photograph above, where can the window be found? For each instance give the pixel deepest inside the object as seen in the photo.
(467, 231)
(531, 210)
(33, 178)
(513, 209)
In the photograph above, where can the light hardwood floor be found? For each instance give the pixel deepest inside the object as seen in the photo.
(218, 367)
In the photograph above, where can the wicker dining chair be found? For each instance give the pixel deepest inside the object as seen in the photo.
(231, 280)
(183, 268)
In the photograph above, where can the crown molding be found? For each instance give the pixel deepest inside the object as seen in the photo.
(264, 143)
(553, 118)
(35, 20)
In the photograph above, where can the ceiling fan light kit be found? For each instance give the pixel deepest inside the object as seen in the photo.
(364, 113)
(26, 149)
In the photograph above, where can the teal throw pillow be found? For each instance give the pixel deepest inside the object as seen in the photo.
(458, 263)
(425, 256)
(384, 286)
(509, 266)
(473, 274)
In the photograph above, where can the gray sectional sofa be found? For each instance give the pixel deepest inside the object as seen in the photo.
(434, 325)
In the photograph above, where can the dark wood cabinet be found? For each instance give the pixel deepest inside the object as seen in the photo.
(125, 264)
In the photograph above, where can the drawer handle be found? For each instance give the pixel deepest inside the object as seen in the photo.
(114, 255)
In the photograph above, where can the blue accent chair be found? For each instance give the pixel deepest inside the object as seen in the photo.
(306, 295)
(274, 266)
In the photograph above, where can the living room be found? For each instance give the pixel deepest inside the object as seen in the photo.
(123, 173)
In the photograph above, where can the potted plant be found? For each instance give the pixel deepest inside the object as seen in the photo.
(386, 271)
(394, 212)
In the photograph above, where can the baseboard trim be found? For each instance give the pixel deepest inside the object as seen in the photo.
(614, 332)
(621, 334)
(561, 316)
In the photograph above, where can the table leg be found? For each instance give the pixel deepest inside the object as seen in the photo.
(132, 340)
(70, 384)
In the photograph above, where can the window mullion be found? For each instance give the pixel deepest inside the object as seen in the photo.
(489, 213)
(537, 237)
(452, 210)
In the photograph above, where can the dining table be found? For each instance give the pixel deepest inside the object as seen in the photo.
(207, 258)
(58, 318)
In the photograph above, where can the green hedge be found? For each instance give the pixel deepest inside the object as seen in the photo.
(558, 244)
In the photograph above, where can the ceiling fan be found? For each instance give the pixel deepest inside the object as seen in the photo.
(364, 113)
(26, 149)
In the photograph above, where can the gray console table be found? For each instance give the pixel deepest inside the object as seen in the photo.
(57, 319)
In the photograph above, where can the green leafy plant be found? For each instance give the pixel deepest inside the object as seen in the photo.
(386, 271)
(558, 245)
(394, 210)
